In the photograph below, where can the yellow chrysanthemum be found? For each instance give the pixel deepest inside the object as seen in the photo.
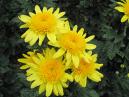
(43, 22)
(74, 43)
(87, 69)
(46, 72)
(123, 7)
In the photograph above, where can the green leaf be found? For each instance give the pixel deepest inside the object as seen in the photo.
(28, 93)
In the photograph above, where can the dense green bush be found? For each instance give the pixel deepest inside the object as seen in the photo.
(97, 16)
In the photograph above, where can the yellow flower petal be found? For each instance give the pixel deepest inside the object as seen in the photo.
(75, 60)
(68, 58)
(94, 57)
(24, 26)
(56, 44)
(26, 56)
(83, 82)
(120, 9)
(75, 28)
(84, 35)
(27, 32)
(42, 88)
(32, 65)
(98, 65)
(77, 78)
(90, 38)
(49, 88)
(35, 84)
(24, 67)
(22, 60)
(24, 18)
(41, 39)
(64, 84)
(40, 56)
(27, 36)
(80, 32)
(31, 78)
(29, 72)
(124, 18)
(34, 39)
(52, 37)
(44, 9)
(36, 60)
(90, 46)
(57, 11)
(120, 3)
(50, 10)
(96, 76)
(69, 77)
(37, 9)
(59, 53)
(89, 53)
(67, 25)
(61, 14)
(55, 90)
(60, 89)
(31, 14)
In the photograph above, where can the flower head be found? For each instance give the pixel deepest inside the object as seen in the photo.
(46, 72)
(87, 69)
(123, 7)
(43, 22)
(74, 43)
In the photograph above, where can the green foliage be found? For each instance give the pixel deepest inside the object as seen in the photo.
(97, 17)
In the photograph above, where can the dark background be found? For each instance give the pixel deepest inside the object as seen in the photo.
(98, 17)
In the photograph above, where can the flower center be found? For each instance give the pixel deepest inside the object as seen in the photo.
(84, 68)
(43, 22)
(73, 42)
(126, 8)
(52, 70)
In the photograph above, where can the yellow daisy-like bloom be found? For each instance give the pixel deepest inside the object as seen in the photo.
(123, 7)
(43, 22)
(87, 69)
(46, 72)
(74, 43)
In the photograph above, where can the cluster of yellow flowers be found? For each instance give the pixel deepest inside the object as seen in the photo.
(53, 69)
